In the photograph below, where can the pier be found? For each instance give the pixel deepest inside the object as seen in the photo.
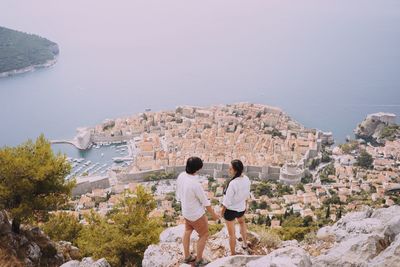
(82, 141)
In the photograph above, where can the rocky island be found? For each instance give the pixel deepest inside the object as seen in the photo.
(22, 52)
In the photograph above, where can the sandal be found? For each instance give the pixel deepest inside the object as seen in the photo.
(201, 262)
(189, 259)
(245, 246)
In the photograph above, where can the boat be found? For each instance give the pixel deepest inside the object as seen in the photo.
(118, 160)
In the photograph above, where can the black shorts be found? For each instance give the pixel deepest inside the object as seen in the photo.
(230, 215)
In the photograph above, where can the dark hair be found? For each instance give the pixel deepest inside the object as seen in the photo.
(238, 167)
(193, 164)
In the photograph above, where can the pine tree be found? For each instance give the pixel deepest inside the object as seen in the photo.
(328, 212)
(339, 215)
(286, 214)
(123, 235)
(268, 221)
(32, 181)
(62, 226)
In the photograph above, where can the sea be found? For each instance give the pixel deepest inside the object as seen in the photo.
(326, 63)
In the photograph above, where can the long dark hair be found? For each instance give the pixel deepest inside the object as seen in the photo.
(238, 167)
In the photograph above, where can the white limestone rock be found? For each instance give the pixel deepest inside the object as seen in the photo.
(163, 255)
(87, 262)
(175, 234)
(238, 260)
(284, 257)
(390, 257)
(73, 263)
(355, 251)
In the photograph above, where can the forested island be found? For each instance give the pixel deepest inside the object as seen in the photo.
(22, 52)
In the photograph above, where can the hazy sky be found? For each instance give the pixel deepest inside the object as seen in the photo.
(334, 58)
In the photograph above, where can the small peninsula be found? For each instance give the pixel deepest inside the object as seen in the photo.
(22, 52)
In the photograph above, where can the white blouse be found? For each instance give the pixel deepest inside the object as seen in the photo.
(237, 193)
(192, 196)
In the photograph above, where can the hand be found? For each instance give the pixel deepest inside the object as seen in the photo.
(215, 216)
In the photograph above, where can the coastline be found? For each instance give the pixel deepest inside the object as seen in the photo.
(31, 68)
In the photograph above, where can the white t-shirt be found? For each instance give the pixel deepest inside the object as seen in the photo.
(191, 195)
(237, 193)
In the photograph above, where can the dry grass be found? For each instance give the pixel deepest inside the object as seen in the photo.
(268, 239)
(7, 260)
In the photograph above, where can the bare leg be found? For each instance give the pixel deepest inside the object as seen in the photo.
(230, 225)
(243, 229)
(203, 236)
(186, 242)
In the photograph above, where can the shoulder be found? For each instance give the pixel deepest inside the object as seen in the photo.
(245, 180)
(181, 176)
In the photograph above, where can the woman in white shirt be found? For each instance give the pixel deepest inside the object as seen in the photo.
(234, 203)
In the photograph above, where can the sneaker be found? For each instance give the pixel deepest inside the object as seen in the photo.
(189, 259)
(201, 262)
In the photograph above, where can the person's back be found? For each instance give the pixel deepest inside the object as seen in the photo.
(193, 202)
(237, 194)
(192, 197)
(234, 203)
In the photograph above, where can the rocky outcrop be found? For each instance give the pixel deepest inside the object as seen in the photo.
(371, 128)
(31, 247)
(169, 251)
(369, 238)
(87, 262)
(284, 257)
(68, 251)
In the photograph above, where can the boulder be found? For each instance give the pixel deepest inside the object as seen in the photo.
(364, 238)
(68, 251)
(355, 251)
(389, 257)
(87, 262)
(238, 260)
(284, 257)
(175, 234)
(169, 252)
(73, 263)
(163, 255)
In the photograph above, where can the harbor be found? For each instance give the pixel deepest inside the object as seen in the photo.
(98, 159)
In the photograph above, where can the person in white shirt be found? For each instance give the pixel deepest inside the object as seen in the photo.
(193, 201)
(234, 203)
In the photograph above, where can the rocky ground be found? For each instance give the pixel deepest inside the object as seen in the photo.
(31, 247)
(366, 238)
(87, 262)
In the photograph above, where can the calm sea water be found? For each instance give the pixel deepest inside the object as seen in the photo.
(327, 63)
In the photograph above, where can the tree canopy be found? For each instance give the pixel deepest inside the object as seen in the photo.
(365, 160)
(124, 234)
(20, 50)
(32, 181)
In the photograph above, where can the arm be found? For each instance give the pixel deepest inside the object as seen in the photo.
(201, 196)
(223, 209)
(178, 192)
(229, 195)
(227, 200)
(212, 212)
